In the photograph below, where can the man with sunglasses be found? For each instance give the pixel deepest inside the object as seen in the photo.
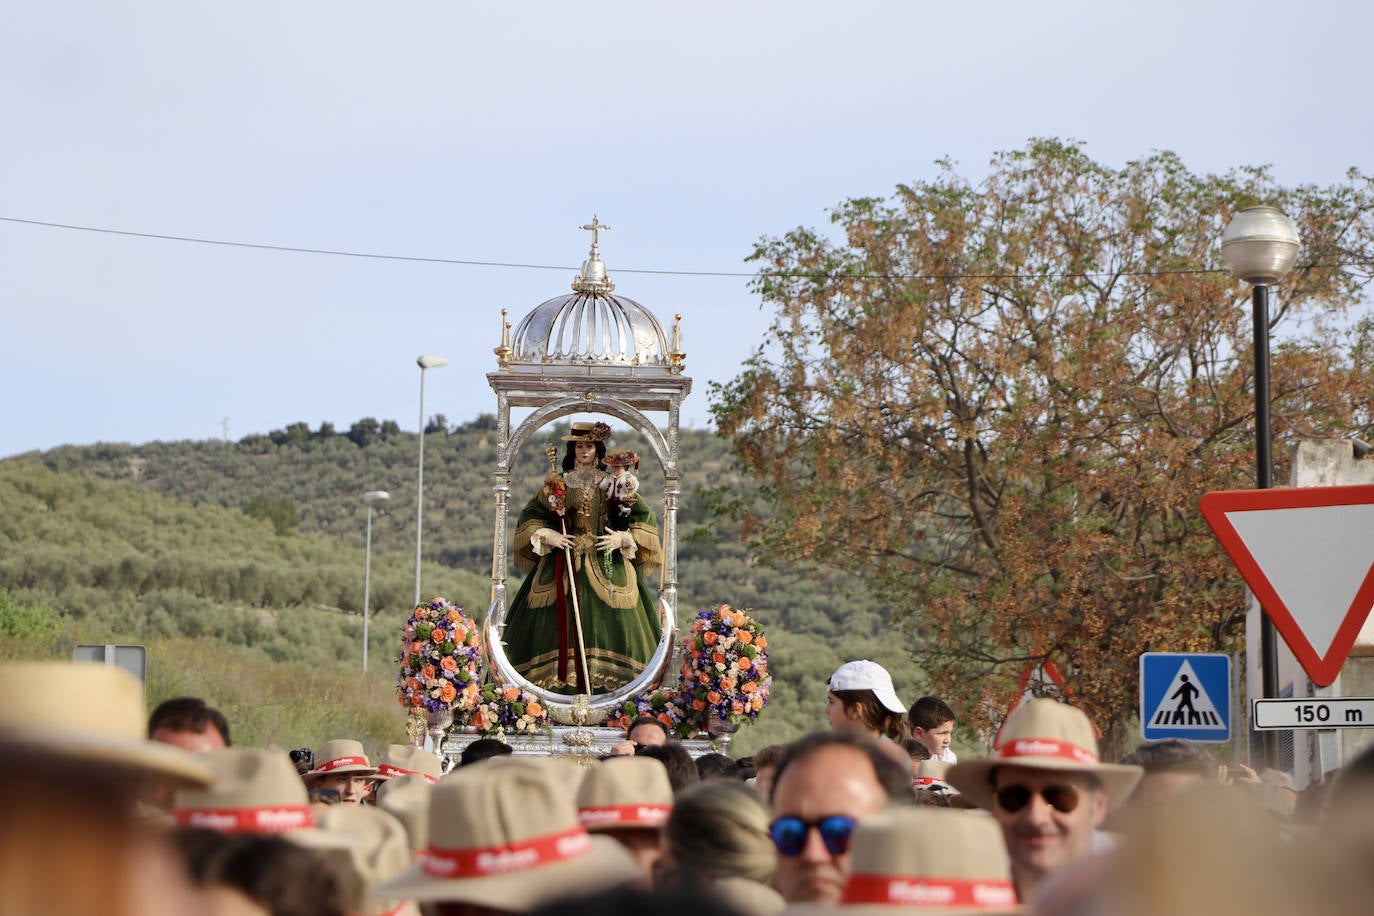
(1046, 786)
(825, 783)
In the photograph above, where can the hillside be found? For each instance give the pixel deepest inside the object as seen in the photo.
(259, 545)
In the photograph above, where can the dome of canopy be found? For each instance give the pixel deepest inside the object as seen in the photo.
(591, 326)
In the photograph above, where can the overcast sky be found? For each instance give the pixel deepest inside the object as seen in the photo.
(492, 131)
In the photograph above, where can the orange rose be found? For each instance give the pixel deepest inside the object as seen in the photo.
(665, 719)
(727, 683)
(511, 694)
(703, 679)
(760, 665)
(417, 647)
(698, 705)
(712, 697)
(718, 658)
(417, 700)
(479, 719)
(534, 709)
(726, 617)
(749, 687)
(460, 635)
(744, 663)
(427, 672)
(414, 683)
(448, 692)
(439, 635)
(737, 707)
(756, 703)
(454, 615)
(761, 642)
(448, 663)
(745, 637)
(709, 638)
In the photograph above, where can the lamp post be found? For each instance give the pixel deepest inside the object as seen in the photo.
(1260, 245)
(424, 362)
(370, 497)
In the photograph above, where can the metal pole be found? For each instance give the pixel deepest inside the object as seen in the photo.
(1269, 646)
(420, 487)
(367, 583)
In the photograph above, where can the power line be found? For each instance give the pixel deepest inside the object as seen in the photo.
(513, 265)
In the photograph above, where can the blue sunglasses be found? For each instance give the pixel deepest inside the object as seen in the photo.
(789, 834)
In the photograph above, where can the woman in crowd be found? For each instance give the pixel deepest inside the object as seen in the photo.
(861, 699)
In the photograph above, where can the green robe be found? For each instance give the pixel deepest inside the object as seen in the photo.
(621, 624)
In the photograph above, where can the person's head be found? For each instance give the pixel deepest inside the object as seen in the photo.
(716, 830)
(932, 724)
(1169, 766)
(586, 445)
(628, 800)
(1046, 787)
(717, 766)
(646, 731)
(766, 767)
(826, 782)
(483, 749)
(341, 766)
(861, 699)
(189, 723)
(263, 870)
(682, 770)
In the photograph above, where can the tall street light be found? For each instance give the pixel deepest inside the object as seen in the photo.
(1260, 245)
(370, 497)
(424, 362)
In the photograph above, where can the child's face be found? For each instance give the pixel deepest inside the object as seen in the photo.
(936, 739)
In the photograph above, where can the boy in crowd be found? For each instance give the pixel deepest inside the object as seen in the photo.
(932, 724)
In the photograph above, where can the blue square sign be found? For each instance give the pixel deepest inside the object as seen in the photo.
(1185, 695)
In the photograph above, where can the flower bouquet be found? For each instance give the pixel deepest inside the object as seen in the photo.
(440, 658)
(662, 705)
(495, 711)
(725, 674)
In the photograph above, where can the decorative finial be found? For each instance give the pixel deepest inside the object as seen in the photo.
(504, 352)
(592, 278)
(676, 356)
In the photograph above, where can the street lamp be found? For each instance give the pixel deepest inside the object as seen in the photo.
(370, 497)
(424, 362)
(1260, 245)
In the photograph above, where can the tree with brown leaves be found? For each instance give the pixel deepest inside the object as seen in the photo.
(997, 405)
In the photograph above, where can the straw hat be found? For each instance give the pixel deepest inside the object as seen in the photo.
(92, 713)
(407, 799)
(405, 759)
(1044, 734)
(625, 792)
(928, 860)
(867, 675)
(506, 835)
(342, 755)
(587, 431)
(381, 852)
(255, 790)
(931, 775)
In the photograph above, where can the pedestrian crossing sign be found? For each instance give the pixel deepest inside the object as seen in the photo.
(1185, 695)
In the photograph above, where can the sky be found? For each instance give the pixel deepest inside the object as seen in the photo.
(491, 132)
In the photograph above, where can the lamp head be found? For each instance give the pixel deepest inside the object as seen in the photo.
(1260, 245)
(431, 362)
(372, 496)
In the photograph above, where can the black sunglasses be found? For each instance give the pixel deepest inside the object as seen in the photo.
(1015, 797)
(302, 755)
(789, 834)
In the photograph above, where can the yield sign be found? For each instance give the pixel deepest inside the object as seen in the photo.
(1308, 556)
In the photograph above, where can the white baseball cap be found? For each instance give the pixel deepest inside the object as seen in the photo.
(867, 675)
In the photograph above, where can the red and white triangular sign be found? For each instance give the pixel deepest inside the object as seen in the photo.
(1307, 554)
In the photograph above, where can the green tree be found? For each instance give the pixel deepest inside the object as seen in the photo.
(998, 403)
(279, 510)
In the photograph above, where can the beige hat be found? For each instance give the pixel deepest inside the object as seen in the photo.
(625, 792)
(588, 431)
(1044, 734)
(255, 790)
(381, 852)
(342, 755)
(931, 775)
(91, 713)
(404, 759)
(928, 860)
(506, 835)
(407, 799)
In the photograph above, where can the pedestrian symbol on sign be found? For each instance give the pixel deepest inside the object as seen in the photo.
(1177, 709)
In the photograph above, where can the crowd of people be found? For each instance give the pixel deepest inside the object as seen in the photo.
(114, 812)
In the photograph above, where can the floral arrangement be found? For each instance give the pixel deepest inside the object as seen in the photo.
(440, 657)
(495, 711)
(662, 705)
(725, 673)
